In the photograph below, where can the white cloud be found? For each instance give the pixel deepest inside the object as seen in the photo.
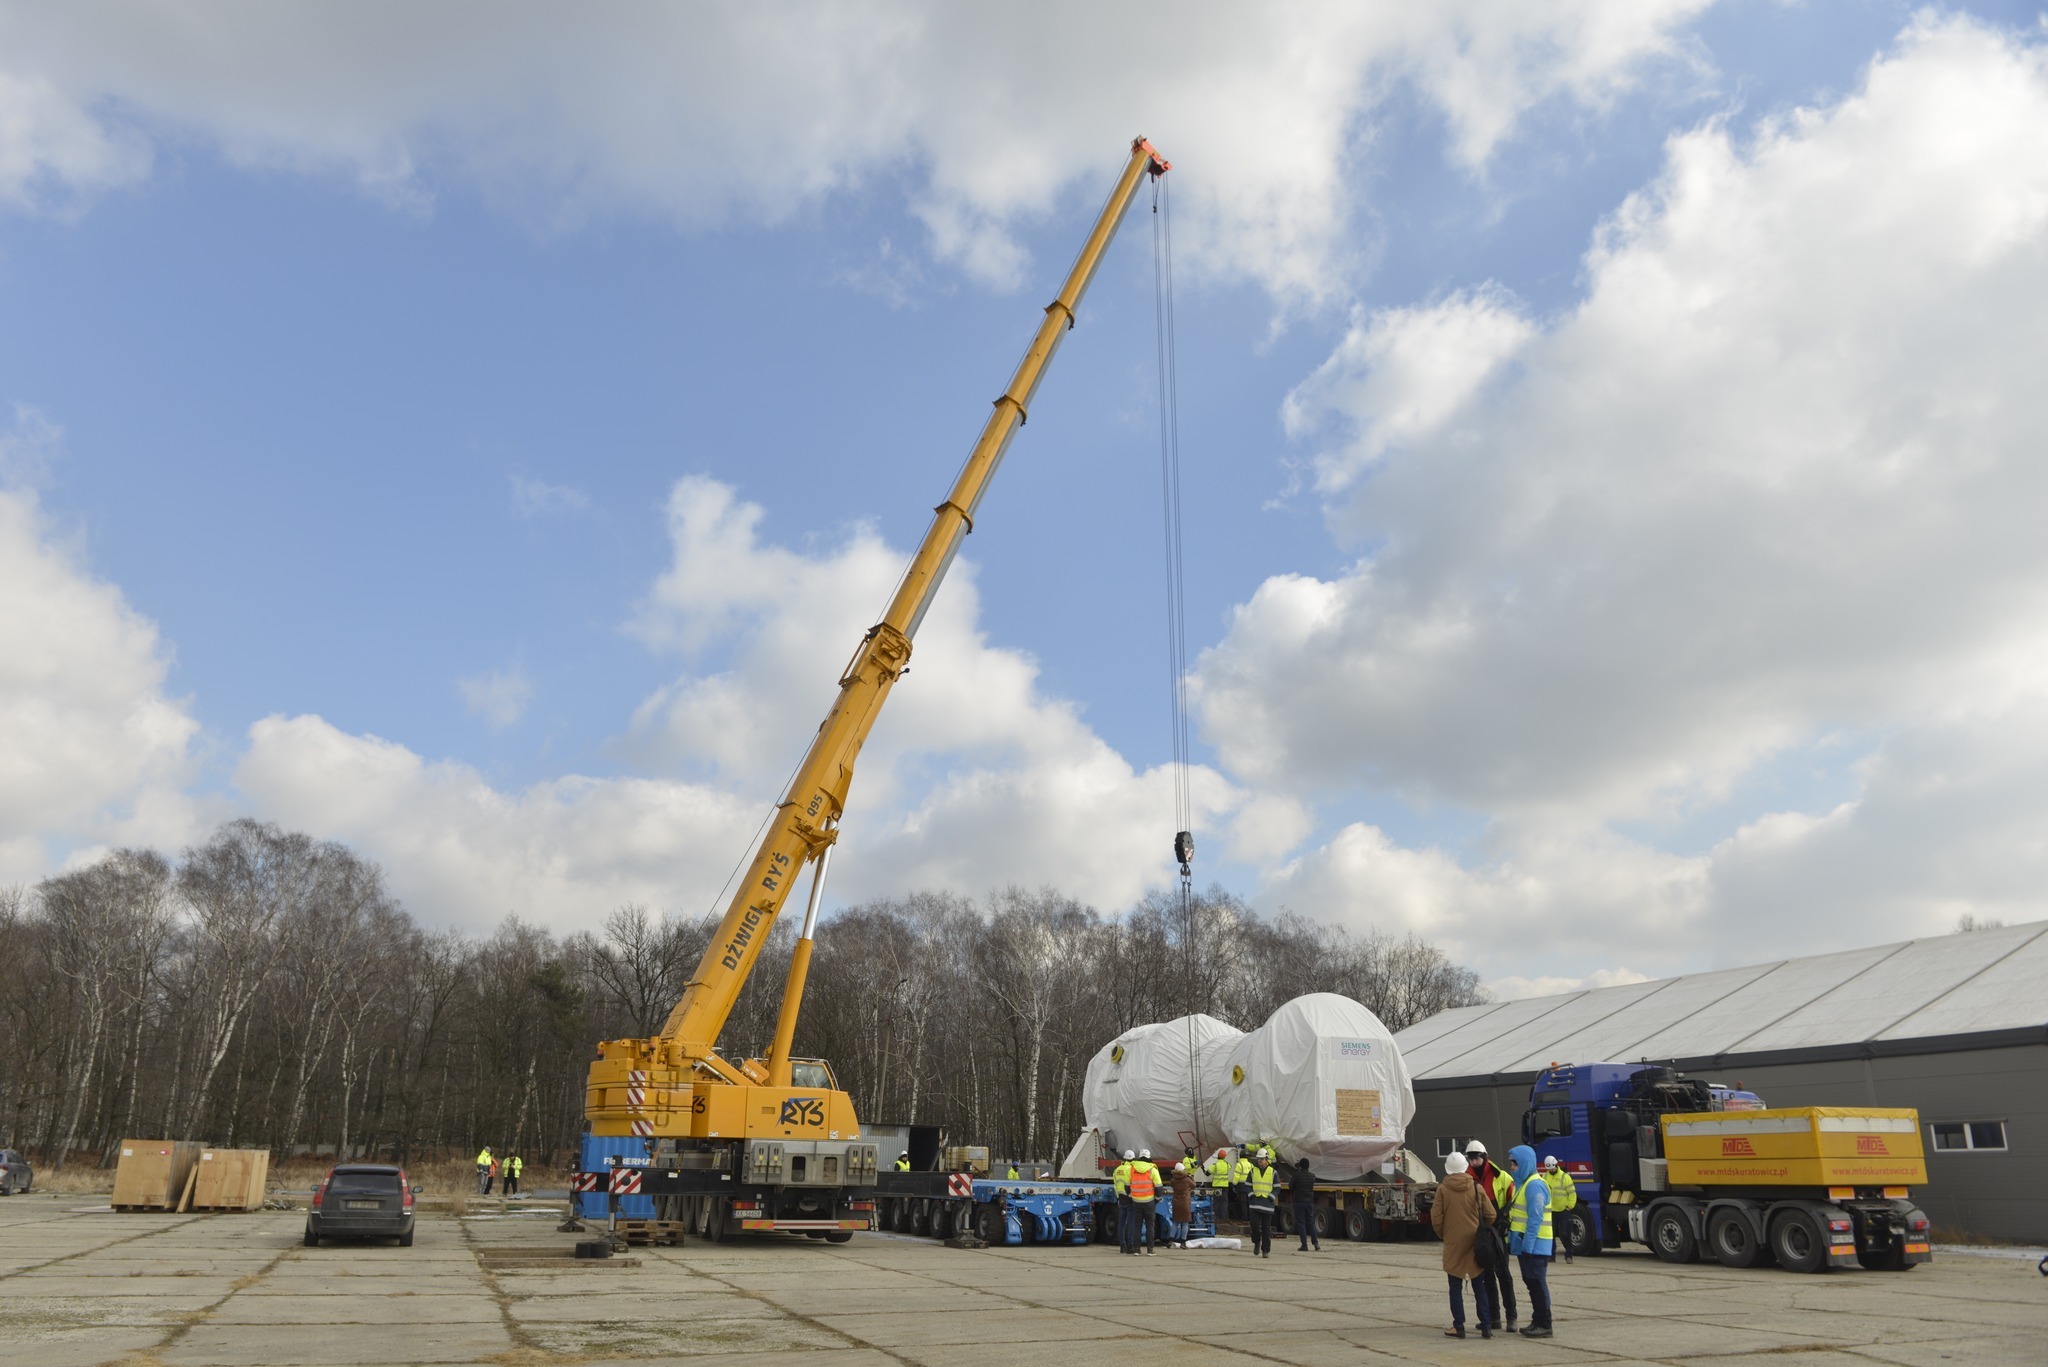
(699, 114)
(972, 778)
(52, 151)
(462, 853)
(498, 698)
(1511, 989)
(91, 749)
(1776, 477)
(538, 498)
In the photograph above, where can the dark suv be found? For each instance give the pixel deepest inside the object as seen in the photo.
(15, 1173)
(362, 1201)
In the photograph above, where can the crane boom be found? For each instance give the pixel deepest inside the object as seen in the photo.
(805, 823)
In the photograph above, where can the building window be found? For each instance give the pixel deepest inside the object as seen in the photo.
(1969, 1136)
(1448, 1144)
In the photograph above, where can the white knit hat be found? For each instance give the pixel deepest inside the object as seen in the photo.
(1455, 1163)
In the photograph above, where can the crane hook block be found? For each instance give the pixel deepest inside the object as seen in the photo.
(1184, 849)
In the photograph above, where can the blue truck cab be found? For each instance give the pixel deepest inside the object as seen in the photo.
(1568, 1116)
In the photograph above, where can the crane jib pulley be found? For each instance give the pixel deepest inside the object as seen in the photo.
(676, 1085)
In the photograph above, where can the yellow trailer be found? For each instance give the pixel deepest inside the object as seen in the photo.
(1806, 1146)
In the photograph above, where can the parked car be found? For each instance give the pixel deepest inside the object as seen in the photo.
(362, 1201)
(15, 1174)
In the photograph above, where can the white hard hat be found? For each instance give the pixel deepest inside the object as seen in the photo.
(1475, 1147)
(1144, 1153)
(1129, 1155)
(1455, 1163)
(1550, 1161)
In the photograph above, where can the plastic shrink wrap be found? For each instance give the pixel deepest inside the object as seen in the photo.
(1145, 1088)
(1322, 1078)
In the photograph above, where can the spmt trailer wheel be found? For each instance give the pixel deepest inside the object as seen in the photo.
(1671, 1236)
(1799, 1242)
(1733, 1241)
(921, 1219)
(1359, 1225)
(1325, 1222)
(988, 1223)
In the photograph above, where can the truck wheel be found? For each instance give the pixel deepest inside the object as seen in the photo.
(921, 1219)
(1798, 1243)
(1734, 1243)
(1358, 1226)
(899, 1217)
(1671, 1236)
(838, 1236)
(942, 1221)
(1576, 1232)
(1325, 1223)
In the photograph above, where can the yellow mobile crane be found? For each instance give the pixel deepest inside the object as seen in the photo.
(772, 1142)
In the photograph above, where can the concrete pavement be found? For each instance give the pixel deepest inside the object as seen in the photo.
(240, 1291)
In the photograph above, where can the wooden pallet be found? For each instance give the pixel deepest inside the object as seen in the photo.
(645, 1233)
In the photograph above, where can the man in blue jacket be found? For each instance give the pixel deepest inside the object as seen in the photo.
(1529, 1237)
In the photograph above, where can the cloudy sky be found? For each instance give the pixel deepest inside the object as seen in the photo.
(1613, 446)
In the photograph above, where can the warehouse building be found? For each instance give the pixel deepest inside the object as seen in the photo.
(1955, 1027)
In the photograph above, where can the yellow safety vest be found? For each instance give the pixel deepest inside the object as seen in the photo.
(1121, 1178)
(483, 1160)
(1564, 1192)
(1243, 1171)
(1219, 1172)
(516, 1164)
(1143, 1181)
(1012, 1174)
(903, 1163)
(1263, 1180)
(1518, 1223)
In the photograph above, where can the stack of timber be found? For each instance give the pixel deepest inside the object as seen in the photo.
(228, 1179)
(153, 1173)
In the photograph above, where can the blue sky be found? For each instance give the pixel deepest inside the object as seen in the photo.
(359, 387)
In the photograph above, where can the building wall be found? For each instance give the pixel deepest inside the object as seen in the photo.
(1991, 1195)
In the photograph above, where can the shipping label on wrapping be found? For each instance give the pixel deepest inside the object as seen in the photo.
(1358, 1111)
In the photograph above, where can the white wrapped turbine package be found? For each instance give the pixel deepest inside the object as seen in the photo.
(1142, 1088)
(1322, 1078)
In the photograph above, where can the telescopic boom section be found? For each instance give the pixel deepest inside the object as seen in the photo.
(807, 818)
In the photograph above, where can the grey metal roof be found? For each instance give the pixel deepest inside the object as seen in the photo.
(1974, 983)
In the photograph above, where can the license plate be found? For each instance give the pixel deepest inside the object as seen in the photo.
(365, 1205)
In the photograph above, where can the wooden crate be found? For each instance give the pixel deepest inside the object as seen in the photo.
(230, 1179)
(152, 1173)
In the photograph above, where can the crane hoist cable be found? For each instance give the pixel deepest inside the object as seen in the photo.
(1176, 615)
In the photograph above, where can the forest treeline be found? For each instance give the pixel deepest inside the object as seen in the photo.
(266, 990)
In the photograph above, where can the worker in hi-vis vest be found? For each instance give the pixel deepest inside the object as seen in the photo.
(1259, 1203)
(1143, 1185)
(903, 1162)
(1218, 1171)
(514, 1167)
(483, 1171)
(1120, 1178)
(1564, 1195)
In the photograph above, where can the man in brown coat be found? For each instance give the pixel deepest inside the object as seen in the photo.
(1460, 1209)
